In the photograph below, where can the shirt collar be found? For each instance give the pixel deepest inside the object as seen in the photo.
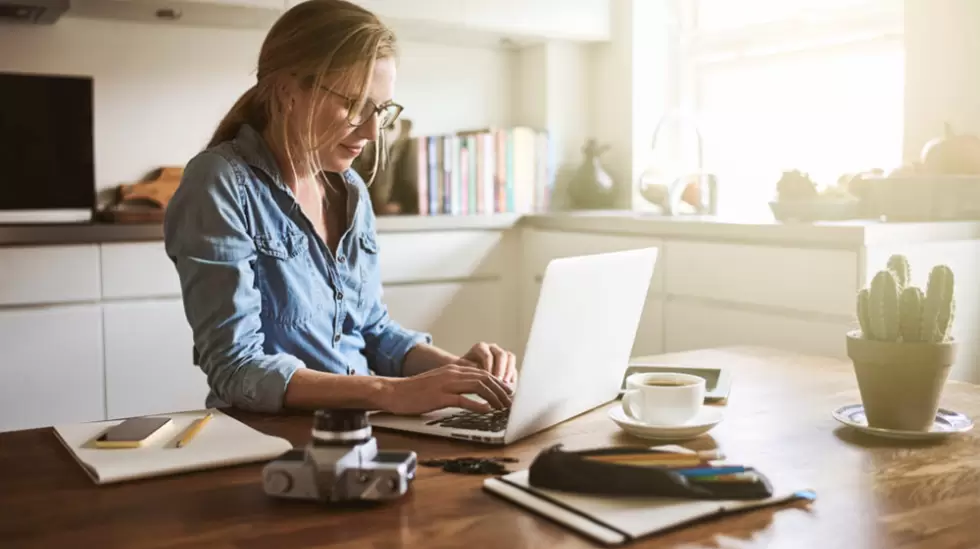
(256, 153)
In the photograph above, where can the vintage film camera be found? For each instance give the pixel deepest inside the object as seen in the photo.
(341, 463)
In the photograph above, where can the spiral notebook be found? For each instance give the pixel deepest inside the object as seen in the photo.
(619, 520)
(222, 442)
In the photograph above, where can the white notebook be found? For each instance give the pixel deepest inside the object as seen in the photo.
(221, 442)
(619, 520)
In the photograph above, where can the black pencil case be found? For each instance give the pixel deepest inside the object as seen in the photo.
(556, 469)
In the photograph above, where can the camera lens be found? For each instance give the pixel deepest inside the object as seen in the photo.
(340, 427)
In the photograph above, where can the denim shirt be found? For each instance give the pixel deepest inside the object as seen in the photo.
(264, 296)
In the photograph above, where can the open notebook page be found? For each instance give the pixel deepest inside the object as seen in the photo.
(223, 441)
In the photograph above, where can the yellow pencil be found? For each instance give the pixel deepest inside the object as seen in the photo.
(193, 430)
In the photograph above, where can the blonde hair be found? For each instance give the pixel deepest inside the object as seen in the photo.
(312, 41)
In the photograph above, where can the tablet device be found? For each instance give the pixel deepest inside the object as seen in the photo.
(718, 382)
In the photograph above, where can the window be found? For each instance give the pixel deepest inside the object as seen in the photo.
(813, 85)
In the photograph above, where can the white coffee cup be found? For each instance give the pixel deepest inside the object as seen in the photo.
(663, 398)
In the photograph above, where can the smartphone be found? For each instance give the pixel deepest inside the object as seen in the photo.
(133, 432)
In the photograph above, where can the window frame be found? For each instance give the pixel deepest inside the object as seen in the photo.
(860, 24)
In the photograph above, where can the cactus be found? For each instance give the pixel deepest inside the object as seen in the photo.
(883, 308)
(910, 323)
(864, 318)
(899, 266)
(894, 310)
(938, 308)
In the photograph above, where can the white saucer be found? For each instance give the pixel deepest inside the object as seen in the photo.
(707, 417)
(946, 423)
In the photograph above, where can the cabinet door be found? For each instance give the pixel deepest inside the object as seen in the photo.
(148, 360)
(457, 314)
(693, 325)
(51, 366)
(799, 279)
(49, 274)
(586, 20)
(137, 270)
(540, 247)
(649, 334)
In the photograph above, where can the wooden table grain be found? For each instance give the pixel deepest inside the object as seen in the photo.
(871, 493)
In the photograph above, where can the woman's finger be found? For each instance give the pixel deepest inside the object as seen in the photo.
(480, 388)
(499, 361)
(502, 391)
(511, 374)
(457, 400)
(499, 387)
(482, 356)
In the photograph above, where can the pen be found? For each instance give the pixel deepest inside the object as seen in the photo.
(193, 430)
(712, 471)
(734, 477)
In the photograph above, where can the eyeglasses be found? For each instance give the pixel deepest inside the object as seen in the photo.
(387, 112)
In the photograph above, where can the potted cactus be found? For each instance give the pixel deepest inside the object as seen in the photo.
(904, 351)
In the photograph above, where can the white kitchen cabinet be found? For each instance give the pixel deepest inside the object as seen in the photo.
(479, 20)
(539, 247)
(49, 274)
(243, 14)
(801, 279)
(51, 368)
(148, 359)
(441, 255)
(690, 324)
(138, 270)
(457, 314)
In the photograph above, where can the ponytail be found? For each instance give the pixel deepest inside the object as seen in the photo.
(244, 111)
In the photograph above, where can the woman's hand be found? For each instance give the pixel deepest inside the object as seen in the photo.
(446, 386)
(502, 364)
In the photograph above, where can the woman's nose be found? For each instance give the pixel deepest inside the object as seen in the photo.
(370, 128)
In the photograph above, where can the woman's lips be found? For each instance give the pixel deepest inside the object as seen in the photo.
(353, 150)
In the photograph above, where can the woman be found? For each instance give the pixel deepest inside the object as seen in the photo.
(273, 237)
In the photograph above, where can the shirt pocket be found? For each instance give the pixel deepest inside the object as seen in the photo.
(367, 258)
(285, 276)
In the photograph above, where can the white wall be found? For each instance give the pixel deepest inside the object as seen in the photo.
(942, 69)
(552, 90)
(159, 91)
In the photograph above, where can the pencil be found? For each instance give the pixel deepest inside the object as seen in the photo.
(193, 430)
(709, 455)
(652, 462)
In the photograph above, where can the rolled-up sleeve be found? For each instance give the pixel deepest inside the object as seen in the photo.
(206, 238)
(387, 342)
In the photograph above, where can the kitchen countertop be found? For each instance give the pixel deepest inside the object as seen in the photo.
(37, 234)
(846, 234)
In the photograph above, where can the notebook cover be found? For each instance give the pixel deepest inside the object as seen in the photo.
(619, 520)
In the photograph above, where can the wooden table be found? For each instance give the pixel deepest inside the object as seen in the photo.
(871, 492)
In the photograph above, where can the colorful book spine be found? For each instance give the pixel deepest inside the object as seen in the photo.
(498, 170)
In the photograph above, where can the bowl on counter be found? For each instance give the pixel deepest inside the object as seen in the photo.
(819, 209)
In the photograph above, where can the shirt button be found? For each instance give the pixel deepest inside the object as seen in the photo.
(336, 338)
(340, 295)
(341, 259)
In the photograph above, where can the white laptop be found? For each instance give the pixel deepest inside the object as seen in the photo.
(579, 346)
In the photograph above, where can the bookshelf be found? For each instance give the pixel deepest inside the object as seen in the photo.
(484, 172)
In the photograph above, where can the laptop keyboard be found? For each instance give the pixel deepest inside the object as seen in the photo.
(493, 421)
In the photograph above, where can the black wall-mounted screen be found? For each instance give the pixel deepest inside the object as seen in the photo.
(46, 142)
